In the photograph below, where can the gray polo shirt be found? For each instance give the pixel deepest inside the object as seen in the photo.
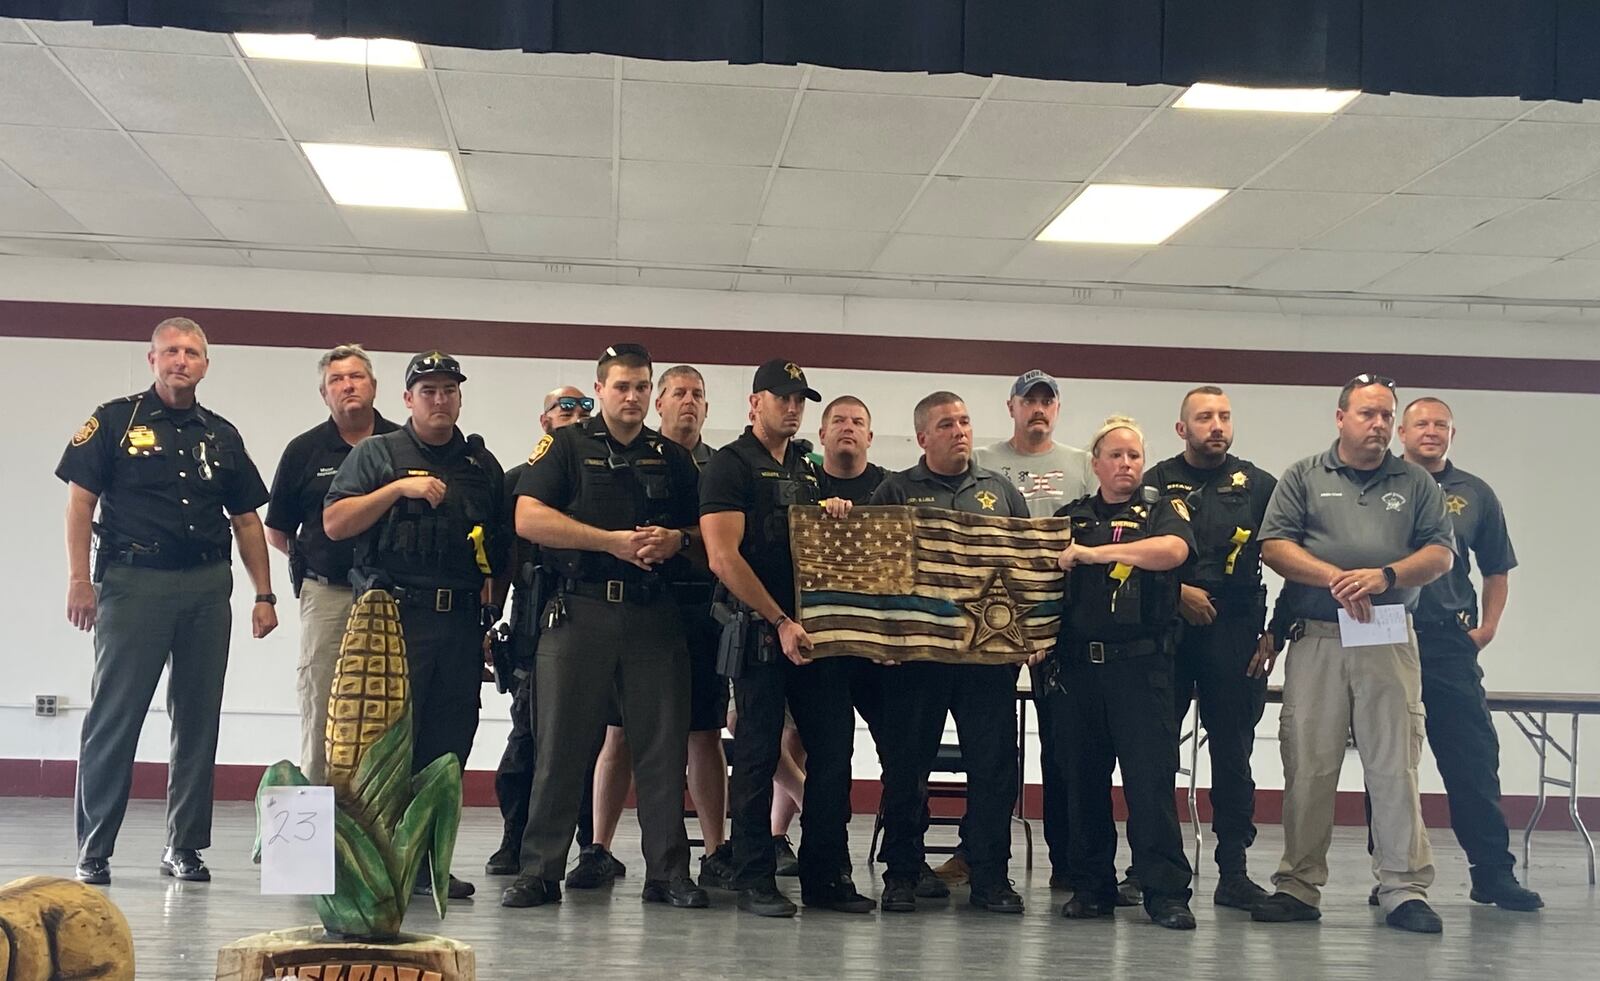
(1355, 521)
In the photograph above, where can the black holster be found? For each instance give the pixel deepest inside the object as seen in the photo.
(297, 570)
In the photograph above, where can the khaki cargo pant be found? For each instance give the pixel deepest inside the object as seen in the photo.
(1330, 691)
(324, 612)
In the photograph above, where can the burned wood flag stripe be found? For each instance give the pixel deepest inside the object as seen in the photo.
(927, 584)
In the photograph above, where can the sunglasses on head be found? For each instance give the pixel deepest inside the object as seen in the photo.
(567, 403)
(1366, 378)
(621, 350)
(435, 362)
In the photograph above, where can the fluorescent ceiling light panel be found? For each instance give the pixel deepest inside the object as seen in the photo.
(380, 52)
(1129, 214)
(1205, 95)
(387, 176)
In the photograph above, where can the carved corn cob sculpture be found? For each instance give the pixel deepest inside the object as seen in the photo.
(387, 819)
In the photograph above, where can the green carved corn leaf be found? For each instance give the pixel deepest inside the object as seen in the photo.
(381, 788)
(366, 902)
(429, 826)
(280, 774)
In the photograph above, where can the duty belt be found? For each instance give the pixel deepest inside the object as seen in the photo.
(311, 575)
(614, 590)
(1099, 652)
(439, 600)
(157, 559)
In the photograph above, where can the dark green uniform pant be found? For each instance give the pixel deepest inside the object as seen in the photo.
(638, 650)
(147, 620)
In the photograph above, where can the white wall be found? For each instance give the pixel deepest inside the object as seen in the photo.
(1522, 443)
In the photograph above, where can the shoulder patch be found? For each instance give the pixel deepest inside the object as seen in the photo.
(1180, 507)
(86, 431)
(541, 448)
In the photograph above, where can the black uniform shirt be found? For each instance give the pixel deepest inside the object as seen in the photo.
(978, 491)
(1480, 527)
(1226, 506)
(857, 490)
(1092, 587)
(743, 476)
(583, 472)
(305, 472)
(166, 478)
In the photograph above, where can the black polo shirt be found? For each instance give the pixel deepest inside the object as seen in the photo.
(1480, 528)
(743, 476)
(1227, 504)
(305, 472)
(582, 471)
(978, 491)
(857, 490)
(167, 479)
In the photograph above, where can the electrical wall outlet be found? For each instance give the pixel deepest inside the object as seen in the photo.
(46, 706)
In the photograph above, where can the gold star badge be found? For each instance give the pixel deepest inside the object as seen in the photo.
(1455, 504)
(995, 613)
(1241, 479)
(793, 370)
(986, 499)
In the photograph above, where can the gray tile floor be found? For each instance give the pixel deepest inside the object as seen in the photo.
(609, 934)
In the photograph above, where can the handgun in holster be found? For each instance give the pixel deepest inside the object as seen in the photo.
(109, 547)
(731, 644)
(297, 570)
(502, 655)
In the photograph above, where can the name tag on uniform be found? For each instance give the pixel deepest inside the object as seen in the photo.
(142, 437)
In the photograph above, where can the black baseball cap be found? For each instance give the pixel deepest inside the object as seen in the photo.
(432, 363)
(782, 377)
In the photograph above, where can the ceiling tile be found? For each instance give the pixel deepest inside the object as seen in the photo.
(578, 238)
(1566, 279)
(1206, 148)
(516, 183)
(1083, 93)
(703, 123)
(143, 215)
(35, 91)
(1440, 107)
(1587, 111)
(814, 248)
(328, 103)
(712, 73)
(55, 250)
(311, 261)
(285, 222)
(1037, 141)
(722, 245)
(1334, 272)
(1585, 190)
(568, 117)
(669, 191)
(171, 93)
(895, 134)
(943, 255)
(1372, 153)
(77, 34)
(79, 158)
(406, 265)
(1456, 275)
(1547, 228)
(520, 62)
(557, 272)
(11, 30)
(1411, 223)
(27, 210)
(897, 83)
(1270, 219)
(191, 255)
(1526, 160)
(1068, 262)
(1181, 265)
(833, 199)
(688, 279)
(973, 206)
(400, 228)
(216, 166)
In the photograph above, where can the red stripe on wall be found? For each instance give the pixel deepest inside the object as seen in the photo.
(270, 328)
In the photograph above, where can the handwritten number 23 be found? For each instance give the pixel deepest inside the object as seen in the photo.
(304, 829)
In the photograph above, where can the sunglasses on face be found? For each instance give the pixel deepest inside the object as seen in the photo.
(567, 403)
(1364, 379)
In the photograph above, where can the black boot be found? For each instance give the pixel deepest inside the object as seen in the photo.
(1501, 888)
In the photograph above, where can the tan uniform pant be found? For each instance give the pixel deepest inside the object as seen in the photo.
(324, 611)
(1330, 691)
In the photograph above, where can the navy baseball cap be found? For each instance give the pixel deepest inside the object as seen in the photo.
(1028, 379)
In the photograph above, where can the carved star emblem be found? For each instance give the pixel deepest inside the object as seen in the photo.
(986, 499)
(793, 370)
(995, 613)
(1455, 504)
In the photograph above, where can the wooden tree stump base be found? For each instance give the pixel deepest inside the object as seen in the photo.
(306, 953)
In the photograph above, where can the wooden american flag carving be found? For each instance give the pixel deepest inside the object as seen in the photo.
(927, 584)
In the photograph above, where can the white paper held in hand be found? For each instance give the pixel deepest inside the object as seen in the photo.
(296, 841)
(1388, 626)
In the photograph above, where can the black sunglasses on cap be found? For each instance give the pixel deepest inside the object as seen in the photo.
(1365, 379)
(567, 403)
(623, 350)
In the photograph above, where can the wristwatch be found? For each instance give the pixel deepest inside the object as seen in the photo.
(1389, 576)
(271, 599)
(685, 546)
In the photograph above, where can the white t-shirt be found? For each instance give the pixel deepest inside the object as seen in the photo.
(1047, 480)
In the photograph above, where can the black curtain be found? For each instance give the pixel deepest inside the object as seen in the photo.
(1536, 49)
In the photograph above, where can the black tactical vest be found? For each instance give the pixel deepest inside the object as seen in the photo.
(617, 489)
(439, 547)
(777, 489)
(1122, 597)
(1227, 560)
